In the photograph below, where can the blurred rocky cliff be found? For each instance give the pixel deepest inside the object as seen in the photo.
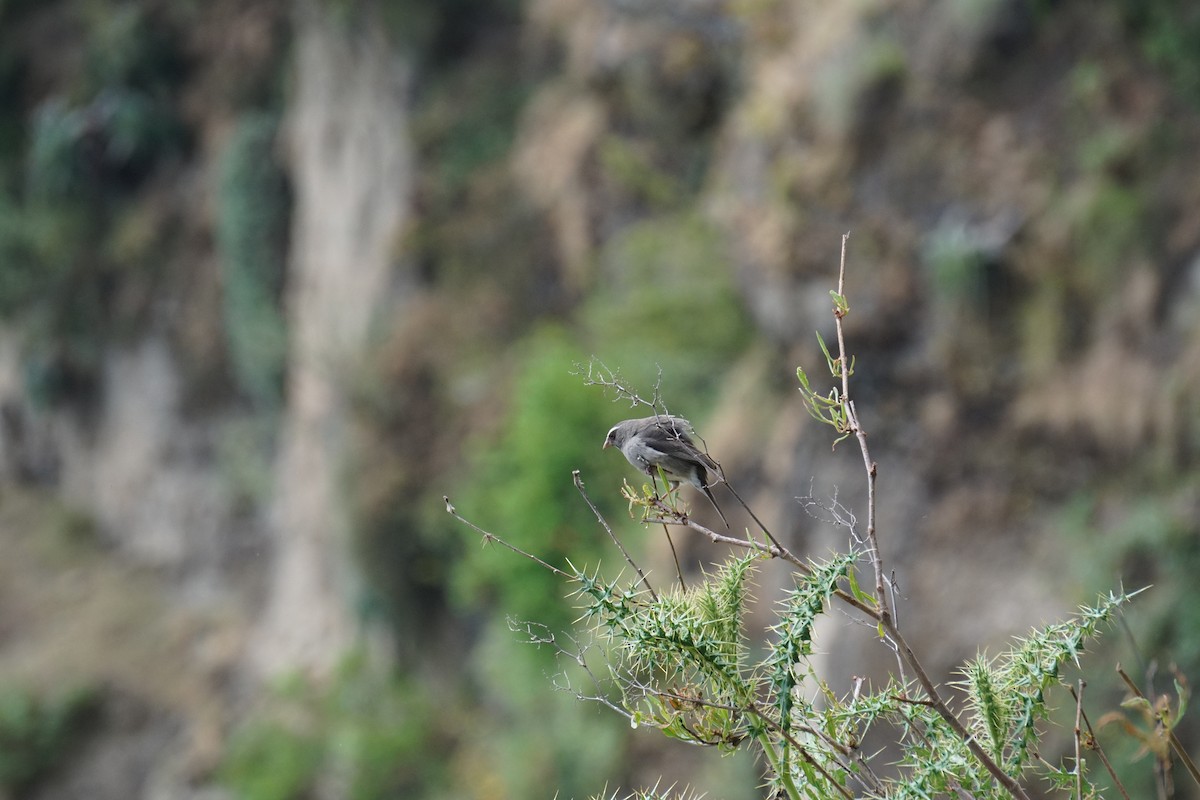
(275, 276)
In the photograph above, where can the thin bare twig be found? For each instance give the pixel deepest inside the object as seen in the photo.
(1094, 743)
(608, 528)
(1078, 741)
(750, 511)
(666, 530)
(490, 537)
(896, 617)
(774, 547)
(675, 555)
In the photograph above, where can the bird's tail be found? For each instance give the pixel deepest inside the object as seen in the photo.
(708, 493)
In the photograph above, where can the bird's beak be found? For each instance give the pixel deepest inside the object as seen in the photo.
(605, 445)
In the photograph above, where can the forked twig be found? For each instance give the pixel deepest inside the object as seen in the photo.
(597, 373)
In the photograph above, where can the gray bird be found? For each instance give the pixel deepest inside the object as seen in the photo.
(662, 442)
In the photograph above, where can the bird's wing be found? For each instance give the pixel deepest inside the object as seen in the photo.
(707, 460)
(670, 439)
(667, 429)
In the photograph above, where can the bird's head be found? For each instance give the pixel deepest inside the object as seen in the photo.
(611, 439)
(618, 434)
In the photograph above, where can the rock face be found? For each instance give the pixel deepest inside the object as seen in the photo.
(206, 587)
(1022, 273)
(143, 472)
(352, 173)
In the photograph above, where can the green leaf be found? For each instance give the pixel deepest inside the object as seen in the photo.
(829, 359)
(855, 589)
(1138, 703)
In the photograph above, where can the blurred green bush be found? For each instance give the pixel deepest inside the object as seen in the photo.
(666, 297)
(253, 211)
(1169, 32)
(37, 732)
(378, 735)
(521, 481)
(73, 161)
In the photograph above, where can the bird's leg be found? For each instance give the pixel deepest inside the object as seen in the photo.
(666, 530)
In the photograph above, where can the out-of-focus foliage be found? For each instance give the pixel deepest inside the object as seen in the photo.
(668, 299)
(1170, 35)
(378, 734)
(253, 213)
(460, 138)
(37, 732)
(382, 736)
(475, 228)
(438, 32)
(74, 245)
(1146, 541)
(522, 479)
(267, 761)
(533, 736)
(1141, 537)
